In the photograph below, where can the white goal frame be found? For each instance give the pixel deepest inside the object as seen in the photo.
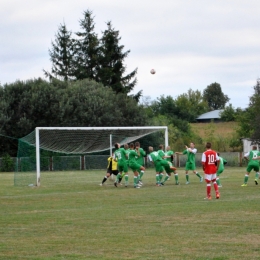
(38, 145)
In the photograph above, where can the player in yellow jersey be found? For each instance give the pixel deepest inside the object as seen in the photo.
(111, 168)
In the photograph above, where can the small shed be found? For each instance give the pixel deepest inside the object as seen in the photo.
(212, 115)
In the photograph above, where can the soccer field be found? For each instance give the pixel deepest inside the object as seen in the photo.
(71, 217)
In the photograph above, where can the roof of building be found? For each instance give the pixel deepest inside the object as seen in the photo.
(211, 115)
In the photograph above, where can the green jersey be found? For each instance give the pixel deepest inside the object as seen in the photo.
(140, 159)
(132, 156)
(191, 155)
(154, 156)
(161, 153)
(127, 153)
(221, 164)
(159, 163)
(121, 155)
(169, 153)
(253, 154)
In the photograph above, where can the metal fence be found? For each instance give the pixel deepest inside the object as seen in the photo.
(232, 158)
(88, 162)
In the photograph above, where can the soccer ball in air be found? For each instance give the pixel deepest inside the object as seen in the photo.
(152, 71)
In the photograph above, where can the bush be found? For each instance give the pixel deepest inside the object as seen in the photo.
(7, 164)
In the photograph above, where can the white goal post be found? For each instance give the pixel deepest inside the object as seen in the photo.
(80, 146)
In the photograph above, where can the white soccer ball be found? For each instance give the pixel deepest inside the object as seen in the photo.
(152, 71)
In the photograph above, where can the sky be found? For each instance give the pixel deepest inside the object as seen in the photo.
(191, 44)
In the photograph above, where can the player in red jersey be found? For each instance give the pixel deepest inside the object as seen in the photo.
(209, 157)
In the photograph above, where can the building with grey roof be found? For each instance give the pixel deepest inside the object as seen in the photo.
(212, 115)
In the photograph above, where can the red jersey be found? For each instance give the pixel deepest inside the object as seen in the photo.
(208, 160)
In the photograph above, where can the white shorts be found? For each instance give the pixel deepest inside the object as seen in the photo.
(210, 177)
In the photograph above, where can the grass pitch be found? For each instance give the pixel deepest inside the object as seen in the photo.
(71, 217)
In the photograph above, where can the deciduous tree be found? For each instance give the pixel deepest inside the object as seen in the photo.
(229, 114)
(253, 112)
(190, 105)
(25, 105)
(215, 97)
(249, 118)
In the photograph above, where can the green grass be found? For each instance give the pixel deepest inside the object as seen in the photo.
(223, 129)
(71, 217)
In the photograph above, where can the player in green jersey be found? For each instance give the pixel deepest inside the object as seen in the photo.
(133, 154)
(158, 162)
(169, 156)
(125, 174)
(140, 160)
(221, 168)
(121, 157)
(190, 163)
(162, 155)
(253, 164)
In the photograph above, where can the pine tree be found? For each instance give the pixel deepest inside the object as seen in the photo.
(61, 55)
(112, 68)
(86, 58)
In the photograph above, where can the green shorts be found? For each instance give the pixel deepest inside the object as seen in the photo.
(190, 166)
(162, 165)
(158, 167)
(161, 169)
(122, 167)
(251, 167)
(219, 171)
(168, 169)
(135, 166)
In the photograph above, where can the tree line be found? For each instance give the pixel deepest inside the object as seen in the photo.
(25, 105)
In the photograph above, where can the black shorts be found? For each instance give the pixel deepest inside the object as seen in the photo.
(115, 172)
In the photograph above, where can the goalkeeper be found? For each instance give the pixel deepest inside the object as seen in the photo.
(111, 168)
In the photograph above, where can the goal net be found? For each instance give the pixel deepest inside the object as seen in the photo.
(72, 148)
